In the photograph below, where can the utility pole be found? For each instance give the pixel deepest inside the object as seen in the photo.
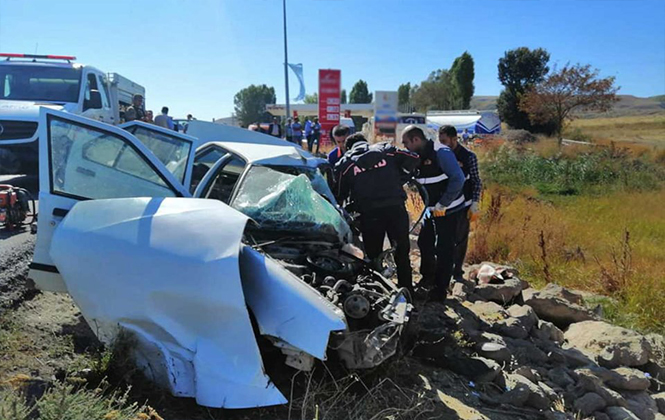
(286, 66)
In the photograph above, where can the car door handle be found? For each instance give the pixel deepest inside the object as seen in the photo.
(58, 212)
(86, 172)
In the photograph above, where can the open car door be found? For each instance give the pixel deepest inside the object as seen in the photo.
(123, 237)
(175, 150)
(82, 159)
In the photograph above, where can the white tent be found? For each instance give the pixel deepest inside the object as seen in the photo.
(473, 121)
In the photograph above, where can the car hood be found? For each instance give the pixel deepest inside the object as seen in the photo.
(27, 110)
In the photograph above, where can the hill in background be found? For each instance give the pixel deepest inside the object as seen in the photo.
(627, 105)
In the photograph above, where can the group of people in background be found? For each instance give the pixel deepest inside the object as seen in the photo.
(294, 131)
(371, 177)
(136, 112)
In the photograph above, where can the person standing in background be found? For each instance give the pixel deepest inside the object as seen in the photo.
(135, 111)
(308, 133)
(296, 127)
(275, 128)
(288, 130)
(164, 120)
(316, 134)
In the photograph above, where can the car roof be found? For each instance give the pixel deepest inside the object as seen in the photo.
(278, 155)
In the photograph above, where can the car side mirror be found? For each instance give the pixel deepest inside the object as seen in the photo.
(94, 102)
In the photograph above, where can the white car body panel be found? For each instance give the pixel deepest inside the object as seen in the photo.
(168, 269)
(207, 132)
(286, 307)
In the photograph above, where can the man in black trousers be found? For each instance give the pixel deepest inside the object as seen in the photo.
(443, 179)
(372, 177)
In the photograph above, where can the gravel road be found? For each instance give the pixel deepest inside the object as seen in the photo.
(16, 249)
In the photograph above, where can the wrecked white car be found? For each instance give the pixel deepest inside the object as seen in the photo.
(188, 249)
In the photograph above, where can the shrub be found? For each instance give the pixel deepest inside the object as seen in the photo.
(519, 136)
(63, 401)
(593, 170)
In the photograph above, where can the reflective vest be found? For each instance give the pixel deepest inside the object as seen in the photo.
(433, 179)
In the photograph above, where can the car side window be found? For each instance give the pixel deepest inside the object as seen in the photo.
(104, 93)
(91, 164)
(224, 183)
(91, 84)
(203, 161)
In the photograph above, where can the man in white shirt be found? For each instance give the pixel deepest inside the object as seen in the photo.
(275, 128)
(164, 120)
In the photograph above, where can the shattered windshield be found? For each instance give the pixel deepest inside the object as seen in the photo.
(294, 199)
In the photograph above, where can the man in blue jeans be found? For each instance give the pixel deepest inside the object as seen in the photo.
(443, 179)
(296, 129)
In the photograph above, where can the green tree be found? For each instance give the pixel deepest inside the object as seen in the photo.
(312, 99)
(435, 93)
(342, 98)
(404, 97)
(250, 103)
(572, 88)
(463, 74)
(360, 93)
(519, 70)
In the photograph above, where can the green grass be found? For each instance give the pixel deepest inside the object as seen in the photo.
(595, 170)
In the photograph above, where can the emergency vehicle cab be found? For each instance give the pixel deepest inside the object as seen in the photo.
(29, 81)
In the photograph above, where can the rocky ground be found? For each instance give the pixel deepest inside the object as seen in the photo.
(497, 350)
(546, 350)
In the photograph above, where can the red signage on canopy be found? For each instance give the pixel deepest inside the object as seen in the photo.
(330, 86)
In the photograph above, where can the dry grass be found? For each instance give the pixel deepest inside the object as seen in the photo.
(589, 217)
(613, 245)
(646, 130)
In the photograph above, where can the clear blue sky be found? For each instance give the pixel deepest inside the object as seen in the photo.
(193, 56)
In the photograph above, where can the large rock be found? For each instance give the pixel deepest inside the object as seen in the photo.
(545, 330)
(525, 315)
(530, 374)
(589, 381)
(589, 403)
(641, 404)
(612, 346)
(557, 305)
(493, 346)
(660, 401)
(561, 377)
(620, 413)
(489, 312)
(524, 392)
(624, 378)
(500, 293)
(657, 343)
(599, 415)
(510, 327)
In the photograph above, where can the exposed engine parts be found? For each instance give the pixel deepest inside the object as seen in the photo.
(376, 310)
(15, 207)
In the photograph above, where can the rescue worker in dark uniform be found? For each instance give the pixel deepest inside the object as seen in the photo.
(372, 177)
(443, 179)
(473, 187)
